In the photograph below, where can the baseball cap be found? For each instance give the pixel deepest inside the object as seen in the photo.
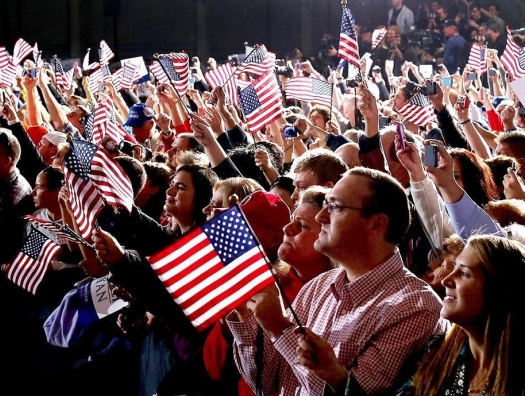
(138, 115)
(267, 215)
(450, 22)
(501, 100)
(55, 137)
(35, 132)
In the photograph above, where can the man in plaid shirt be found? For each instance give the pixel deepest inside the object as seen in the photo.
(361, 323)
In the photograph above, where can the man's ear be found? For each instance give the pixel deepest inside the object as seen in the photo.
(150, 123)
(379, 223)
(137, 151)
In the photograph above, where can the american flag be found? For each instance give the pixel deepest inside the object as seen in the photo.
(176, 65)
(104, 53)
(33, 261)
(477, 59)
(241, 83)
(61, 77)
(86, 66)
(21, 51)
(377, 36)
(106, 122)
(4, 57)
(94, 177)
(89, 127)
(513, 58)
(348, 47)
(37, 56)
(123, 77)
(8, 74)
(309, 89)
(213, 268)
(258, 61)
(223, 76)
(98, 76)
(261, 102)
(418, 110)
(61, 231)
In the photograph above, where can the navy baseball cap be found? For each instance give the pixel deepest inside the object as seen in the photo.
(138, 115)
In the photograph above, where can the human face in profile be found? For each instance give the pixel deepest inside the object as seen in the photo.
(464, 302)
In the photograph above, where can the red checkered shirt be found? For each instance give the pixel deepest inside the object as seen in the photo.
(374, 324)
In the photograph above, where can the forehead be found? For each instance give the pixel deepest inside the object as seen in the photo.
(218, 195)
(350, 188)
(41, 179)
(469, 258)
(181, 142)
(305, 211)
(183, 177)
(305, 179)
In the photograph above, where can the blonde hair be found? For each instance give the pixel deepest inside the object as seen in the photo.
(191, 157)
(240, 186)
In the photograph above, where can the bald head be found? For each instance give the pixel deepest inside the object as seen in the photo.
(349, 152)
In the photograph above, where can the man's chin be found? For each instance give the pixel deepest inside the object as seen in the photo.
(320, 244)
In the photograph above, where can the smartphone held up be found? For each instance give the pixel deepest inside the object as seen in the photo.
(431, 155)
(400, 134)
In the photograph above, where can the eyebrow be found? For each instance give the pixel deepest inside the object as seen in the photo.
(299, 218)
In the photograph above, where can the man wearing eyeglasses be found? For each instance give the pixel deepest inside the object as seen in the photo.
(361, 323)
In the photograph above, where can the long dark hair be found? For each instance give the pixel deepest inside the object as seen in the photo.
(477, 176)
(203, 180)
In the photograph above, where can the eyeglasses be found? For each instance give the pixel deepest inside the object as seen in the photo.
(212, 206)
(332, 207)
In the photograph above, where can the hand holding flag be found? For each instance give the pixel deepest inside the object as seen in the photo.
(30, 265)
(513, 58)
(213, 268)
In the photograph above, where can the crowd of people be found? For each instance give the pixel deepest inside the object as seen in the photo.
(396, 242)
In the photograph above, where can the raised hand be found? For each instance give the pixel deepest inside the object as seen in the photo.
(512, 186)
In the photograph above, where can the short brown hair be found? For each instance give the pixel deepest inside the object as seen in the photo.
(11, 145)
(323, 163)
(389, 198)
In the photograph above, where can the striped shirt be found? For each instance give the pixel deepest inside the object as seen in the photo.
(374, 324)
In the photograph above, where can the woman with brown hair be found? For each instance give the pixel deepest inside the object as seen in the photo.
(482, 352)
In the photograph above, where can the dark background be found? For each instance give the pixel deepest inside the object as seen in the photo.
(200, 27)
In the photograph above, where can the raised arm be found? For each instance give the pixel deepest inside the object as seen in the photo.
(56, 111)
(466, 217)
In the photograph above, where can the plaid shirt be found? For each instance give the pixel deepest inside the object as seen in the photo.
(374, 324)
(13, 190)
(15, 201)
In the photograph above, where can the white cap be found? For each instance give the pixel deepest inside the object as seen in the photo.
(55, 137)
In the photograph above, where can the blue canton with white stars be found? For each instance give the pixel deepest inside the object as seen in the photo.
(321, 87)
(229, 234)
(420, 100)
(78, 159)
(88, 126)
(249, 99)
(255, 56)
(167, 64)
(34, 243)
(347, 23)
